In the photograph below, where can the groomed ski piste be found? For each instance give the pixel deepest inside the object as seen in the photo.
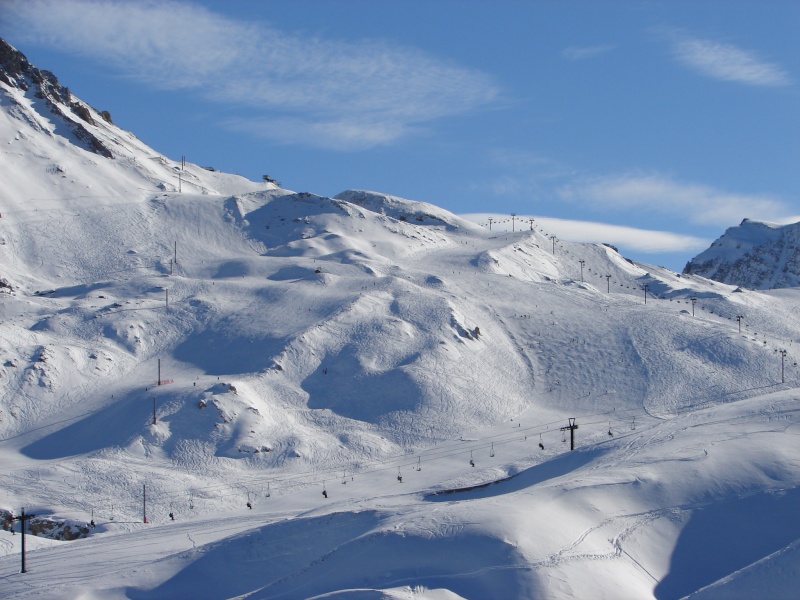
(230, 351)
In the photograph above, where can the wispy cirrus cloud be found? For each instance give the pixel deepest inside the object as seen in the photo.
(727, 62)
(299, 89)
(657, 194)
(584, 52)
(519, 173)
(343, 133)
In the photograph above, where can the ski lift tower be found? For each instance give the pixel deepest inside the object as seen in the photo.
(571, 427)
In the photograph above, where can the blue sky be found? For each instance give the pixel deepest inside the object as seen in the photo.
(650, 125)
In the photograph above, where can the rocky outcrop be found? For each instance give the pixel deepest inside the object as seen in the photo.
(17, 72)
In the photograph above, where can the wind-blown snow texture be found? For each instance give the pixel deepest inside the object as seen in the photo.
(755, 254)
(375, 349)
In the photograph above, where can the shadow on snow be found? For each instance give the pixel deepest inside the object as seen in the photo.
(113, 425)
(303, 558)
(727, 536)
(343, 386)
(561, 465)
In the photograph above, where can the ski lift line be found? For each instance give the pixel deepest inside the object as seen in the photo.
(457, 448)
(310, 478)
(392, 462)
(315, 481)
(302, 478)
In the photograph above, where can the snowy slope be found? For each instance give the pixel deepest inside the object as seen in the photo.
(308, 344)
(754, 254)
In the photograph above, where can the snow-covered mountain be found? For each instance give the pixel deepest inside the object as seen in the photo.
(55, 141)
(364, 396)
(754, 254)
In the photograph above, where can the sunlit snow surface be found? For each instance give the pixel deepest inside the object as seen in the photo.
(340, 344)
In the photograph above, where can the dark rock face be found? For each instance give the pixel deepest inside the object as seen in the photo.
(12, 65)
(57, 529)
(17, 72)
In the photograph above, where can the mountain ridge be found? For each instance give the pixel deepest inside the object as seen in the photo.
(753, 254)
(17, 72)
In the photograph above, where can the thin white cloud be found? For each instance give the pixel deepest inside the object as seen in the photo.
(366, 91)
(657, 194)
(728, 62)
(584, 52)
(521, 173)
(647, 241)
(345, 133)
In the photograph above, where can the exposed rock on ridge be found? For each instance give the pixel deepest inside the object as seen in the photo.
(17, 72)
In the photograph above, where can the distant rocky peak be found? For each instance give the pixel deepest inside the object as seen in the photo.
(754, 254)
(17, 72)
